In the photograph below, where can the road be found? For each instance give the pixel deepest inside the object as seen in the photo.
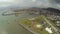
(48, 22)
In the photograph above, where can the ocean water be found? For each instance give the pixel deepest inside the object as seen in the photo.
(9, 25)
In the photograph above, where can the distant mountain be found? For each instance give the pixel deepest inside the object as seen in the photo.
(53, 10)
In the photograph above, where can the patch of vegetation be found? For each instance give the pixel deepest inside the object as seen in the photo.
(27, 23)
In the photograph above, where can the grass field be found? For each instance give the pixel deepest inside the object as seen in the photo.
(27, 23)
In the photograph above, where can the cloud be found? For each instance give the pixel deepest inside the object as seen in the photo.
(7, 3)
(29, 3)
(55, 1)
(47, 3)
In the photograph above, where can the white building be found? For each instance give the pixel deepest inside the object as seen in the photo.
(48, 30)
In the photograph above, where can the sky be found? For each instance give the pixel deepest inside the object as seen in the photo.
(30, 3)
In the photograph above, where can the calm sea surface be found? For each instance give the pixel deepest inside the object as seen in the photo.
(9, 25)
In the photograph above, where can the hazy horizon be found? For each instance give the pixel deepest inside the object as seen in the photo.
(6, 4)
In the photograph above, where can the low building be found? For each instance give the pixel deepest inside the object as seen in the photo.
(48, 30)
